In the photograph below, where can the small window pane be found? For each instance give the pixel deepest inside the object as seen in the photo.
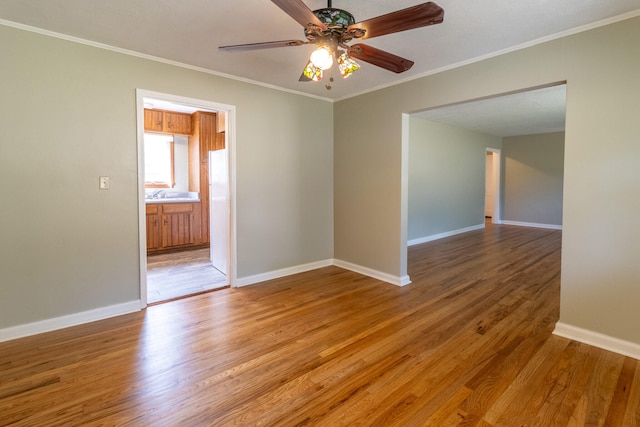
(158, 160)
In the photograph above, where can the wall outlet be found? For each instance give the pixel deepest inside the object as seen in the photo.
(104, 183)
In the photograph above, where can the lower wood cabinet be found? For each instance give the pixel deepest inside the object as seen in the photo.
(172, 225)
(153, 228)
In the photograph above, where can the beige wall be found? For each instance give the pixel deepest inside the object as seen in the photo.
(533, 175)
(601, 241)
(446, 177)
(68, 115)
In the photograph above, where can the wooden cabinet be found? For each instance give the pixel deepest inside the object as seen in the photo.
(202, 141)
(220, 141)
(204, 134)
(169, 122)
(177, 224)
(153, 120)
(153, 228)
(172, 225)
(177, 123)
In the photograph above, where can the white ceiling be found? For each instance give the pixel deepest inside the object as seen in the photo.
(189, 32)
(524, 113)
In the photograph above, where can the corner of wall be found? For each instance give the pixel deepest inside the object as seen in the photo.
(606, 342)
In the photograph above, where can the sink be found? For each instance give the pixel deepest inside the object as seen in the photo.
(174, 197)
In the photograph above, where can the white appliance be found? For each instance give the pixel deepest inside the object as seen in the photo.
(219, 209)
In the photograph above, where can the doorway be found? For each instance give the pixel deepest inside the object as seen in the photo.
(175, 221)
(536, 110)
(492, 195)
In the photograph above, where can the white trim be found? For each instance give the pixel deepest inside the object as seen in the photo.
(496, 217)
(521, 46)
(68, 320)
(142, 209)
(404, 191)
(532, 224)
(596, 339)
(133, 306)
(275, 274)
(230, 135)
(230, 141)
(426, 239)
(535, 42)
(385, 277)
(270, 275)
(152, 58)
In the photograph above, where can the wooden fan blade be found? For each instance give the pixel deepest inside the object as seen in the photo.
(402, 20)
(265, 45)
(380, 58)
(300, 12)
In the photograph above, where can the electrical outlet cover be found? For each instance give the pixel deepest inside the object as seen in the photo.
(104, 182)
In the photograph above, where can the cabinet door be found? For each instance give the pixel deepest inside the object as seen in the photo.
(153, 228)
(177, 224)
(220, 141)
(207, 135)
(153, 120)
(177, 123)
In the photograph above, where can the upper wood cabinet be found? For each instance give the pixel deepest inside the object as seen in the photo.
(204, 129)
(167, 122)
(153, 120)
(177, 123)
(220, 141)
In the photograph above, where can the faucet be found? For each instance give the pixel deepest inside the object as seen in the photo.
(156, 194)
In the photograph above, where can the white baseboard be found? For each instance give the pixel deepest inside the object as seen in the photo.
(262, 277)
(74, 319)
(68, 320)
(426, 239)
(532, 224)
(596, 339)
(385, 277)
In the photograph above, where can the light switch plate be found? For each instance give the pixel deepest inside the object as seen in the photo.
(104, 183)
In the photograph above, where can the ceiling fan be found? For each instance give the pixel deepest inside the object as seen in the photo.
(332, 29)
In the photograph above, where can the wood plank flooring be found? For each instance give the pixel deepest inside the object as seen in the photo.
(179, 274)
(467, 343)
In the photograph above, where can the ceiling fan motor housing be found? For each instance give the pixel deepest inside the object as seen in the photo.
(335, 17)
(337, 21)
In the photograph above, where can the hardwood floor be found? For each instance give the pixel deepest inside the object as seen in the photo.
(467, 343)
(178, 274)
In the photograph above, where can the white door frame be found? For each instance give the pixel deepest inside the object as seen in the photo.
(230, 135)
(496, 218)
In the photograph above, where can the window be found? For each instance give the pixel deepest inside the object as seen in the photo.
(158, 161)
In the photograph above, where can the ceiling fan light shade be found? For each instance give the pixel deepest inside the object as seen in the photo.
(312, 72)
(347, 65)
(322, 58)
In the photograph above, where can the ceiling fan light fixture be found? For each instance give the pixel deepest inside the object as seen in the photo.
(332, 30)
(322, 58)
(347, 65)
(312, 72)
